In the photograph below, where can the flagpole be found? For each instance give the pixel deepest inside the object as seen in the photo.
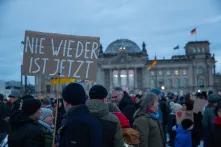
(196, 37)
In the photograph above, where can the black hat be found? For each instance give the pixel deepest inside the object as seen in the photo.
(186, 123)
(214, 98)
(1, 97)
(98, 92)
(74, 94)
(30, 106)
(27, 97)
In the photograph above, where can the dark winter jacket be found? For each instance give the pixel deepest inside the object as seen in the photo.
(183, 138)
(208, 126)
(112, 133)
(4, 110)
(80, 129)
(127, 107)
(165, 111)
(217, 132)
(25, 133)
(48, 133)
(4, 113)
(208, 117)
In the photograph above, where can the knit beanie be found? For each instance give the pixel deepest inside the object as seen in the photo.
(1, 97)
(27, 97)
(214, 98)
(156, 91)
(30, 106)
(98, 92)
(74, 94)
(186, 124)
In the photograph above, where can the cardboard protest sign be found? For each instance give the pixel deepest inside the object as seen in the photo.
(181, 115)
(58, 54)
(199, 105)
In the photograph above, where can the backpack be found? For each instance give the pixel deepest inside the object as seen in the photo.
(4, 141)
(131, 136)
(109, 130)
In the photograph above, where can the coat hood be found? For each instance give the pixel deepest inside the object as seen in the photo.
(97, 107)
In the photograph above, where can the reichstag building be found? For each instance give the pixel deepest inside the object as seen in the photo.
(125, 64)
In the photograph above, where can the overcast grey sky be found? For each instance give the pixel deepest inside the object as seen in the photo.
(162, 24)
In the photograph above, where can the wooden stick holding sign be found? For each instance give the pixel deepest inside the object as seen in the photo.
(56, 113)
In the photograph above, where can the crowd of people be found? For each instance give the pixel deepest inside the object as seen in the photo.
(116, 119)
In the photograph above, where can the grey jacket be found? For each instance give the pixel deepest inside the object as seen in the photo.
(100, 110)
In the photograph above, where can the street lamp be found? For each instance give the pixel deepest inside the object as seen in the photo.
(162, 87)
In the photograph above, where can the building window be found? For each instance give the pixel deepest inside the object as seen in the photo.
(194, 50)
(177, 83)
(184, 82)
(168, 73)
(152, 84)
(184, 72)
(131, 79)
(176, 72)
(123, 78)
(169, 83)
(115, 78)
(152, 73)
(48, 88)
(200, 82)
(161, 82)
(203, 50)
(198, 50)
(160, 73)
(200, 70)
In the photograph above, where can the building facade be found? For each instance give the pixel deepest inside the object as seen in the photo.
(124, 64)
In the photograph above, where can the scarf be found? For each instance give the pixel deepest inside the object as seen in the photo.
(217, 120)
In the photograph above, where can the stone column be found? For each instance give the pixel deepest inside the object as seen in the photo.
(111, 79)
(135, 78)
(119, 78)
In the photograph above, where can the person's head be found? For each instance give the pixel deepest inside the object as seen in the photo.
(47, 116)
(218, 110)
(210, 92)
(12, 98)
(149, 102)
(1, 97)
(213, 99)
(187, 124)
(156, 91)
(98, 92)
(117, 95)
(73, 94)
(31, 108)
(204, 95)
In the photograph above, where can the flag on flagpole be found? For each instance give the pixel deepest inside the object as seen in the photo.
(193, 31)
(152, 64)
(176, 47)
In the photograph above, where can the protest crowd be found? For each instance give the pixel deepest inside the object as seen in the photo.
(117, 118)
